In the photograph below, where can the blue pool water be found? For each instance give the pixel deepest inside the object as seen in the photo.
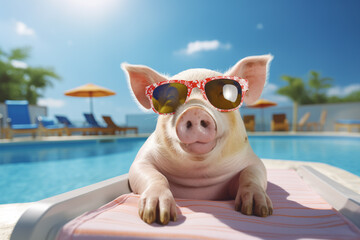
(33, 171)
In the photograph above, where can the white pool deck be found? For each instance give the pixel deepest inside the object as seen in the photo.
(10, 213)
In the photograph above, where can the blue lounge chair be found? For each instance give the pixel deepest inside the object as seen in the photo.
(19, 118)
(64, 120)
(71, 128)
(347, 123)
(48, 126)
(90, 119)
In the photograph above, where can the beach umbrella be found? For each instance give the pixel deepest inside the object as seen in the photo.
(262, 103)
(89, 90)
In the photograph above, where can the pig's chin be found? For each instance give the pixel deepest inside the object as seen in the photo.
(198, 148)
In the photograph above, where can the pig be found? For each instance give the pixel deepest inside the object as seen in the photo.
(198, 152)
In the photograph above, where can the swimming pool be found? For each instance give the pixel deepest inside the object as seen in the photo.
(33, 171)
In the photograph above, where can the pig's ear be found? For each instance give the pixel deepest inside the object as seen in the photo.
(255, 70)
(139, 77)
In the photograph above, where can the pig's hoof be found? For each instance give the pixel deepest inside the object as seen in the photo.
(253, 201)
(157, 206)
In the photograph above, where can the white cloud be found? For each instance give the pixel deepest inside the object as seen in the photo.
(343, 91)
(51, 102)
(334, 91)
(200, 46)
(19, 64)
(269, 93)
(259, 26)
(23, 30)
(351, 88)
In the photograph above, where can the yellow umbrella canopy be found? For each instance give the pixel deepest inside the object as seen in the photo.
(89, 90)
(262, 103)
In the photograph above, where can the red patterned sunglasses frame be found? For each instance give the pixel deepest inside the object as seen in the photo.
(201, 85)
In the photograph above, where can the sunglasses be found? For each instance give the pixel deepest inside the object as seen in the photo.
(225, 93)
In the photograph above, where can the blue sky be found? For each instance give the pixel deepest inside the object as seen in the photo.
(85, 41)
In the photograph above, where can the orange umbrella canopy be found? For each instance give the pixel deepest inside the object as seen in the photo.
(262, 103)
(89, 90)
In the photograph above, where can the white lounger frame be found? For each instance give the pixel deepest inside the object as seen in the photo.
(46, 217)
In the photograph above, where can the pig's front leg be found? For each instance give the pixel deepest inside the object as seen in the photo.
(156, 202)
(251, 197)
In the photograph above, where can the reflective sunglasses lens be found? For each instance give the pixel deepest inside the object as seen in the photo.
(224, 93)
(168, 97)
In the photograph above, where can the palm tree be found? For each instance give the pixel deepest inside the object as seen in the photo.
(295, 90)
(22, 82)
(38, 78)
(318, 85)
(10, 77)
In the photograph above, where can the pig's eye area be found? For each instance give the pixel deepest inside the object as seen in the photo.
(223, 93)
(168, 97)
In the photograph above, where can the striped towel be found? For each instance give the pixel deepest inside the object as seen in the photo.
(299, 212)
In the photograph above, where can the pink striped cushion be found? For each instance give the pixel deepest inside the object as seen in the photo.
(298, 213)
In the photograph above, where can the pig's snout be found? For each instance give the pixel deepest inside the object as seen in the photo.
(196, 130)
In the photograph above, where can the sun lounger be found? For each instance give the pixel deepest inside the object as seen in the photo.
(90, 119)
(302, 121)
(279, 122)
(70, 128)
(318, 125)
(19, 119)
(110, 123)
(48, 126)
(304, 207)
(249, 121)
(348, 124)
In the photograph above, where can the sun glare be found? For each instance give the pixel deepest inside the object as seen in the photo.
(91, 5)
(89, 8)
